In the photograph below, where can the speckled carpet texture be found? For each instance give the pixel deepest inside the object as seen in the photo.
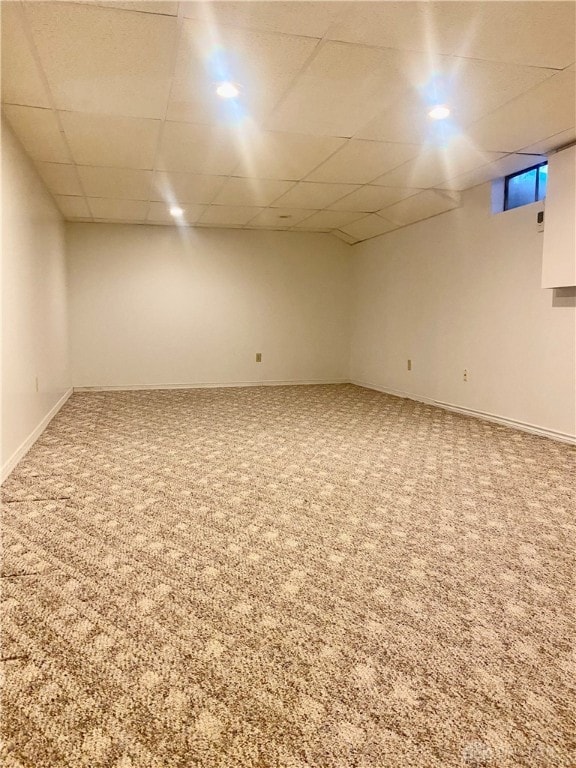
(287, 577)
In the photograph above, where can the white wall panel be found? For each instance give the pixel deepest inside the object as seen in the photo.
(167, 306)
(35, 371)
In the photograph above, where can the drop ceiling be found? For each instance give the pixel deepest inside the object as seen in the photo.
(115, 103)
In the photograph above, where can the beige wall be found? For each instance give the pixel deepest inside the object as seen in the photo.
(35, 373)
(463, 290)
(559, 250)
(161, 306)
(156, 306)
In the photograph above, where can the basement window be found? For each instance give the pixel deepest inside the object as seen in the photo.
(525, 187)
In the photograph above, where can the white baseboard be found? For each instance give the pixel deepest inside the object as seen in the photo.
(23, 449)
(211, 385)
(512, 423)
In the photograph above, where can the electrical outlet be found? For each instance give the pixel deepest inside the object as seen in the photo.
(409, 365)
(465, 374)
(258, 357)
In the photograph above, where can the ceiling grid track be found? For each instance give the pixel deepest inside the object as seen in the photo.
(31, 42)
(113, 102)
(180, 25)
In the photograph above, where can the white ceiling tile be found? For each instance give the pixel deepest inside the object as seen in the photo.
(159, 213)
(470, 89)
(72, 207)
(228, 215)
(342, 88)
(552, 142)
(433, 166)
(39, 133)
(371, 198)
(360, 161)
(475, 88)
(406, 121)
(412, 26)
(60, 178)
(116, 183)
(308, 194)
(545, 110)
(198, 149)
(285, 156)
(508, 164)
(535, 33)
(21, 79)
(313, 74)
(369, 226)
(328, 220)
(176, 188)
(425, 204)
(119, 210)
(279, 218)
(123, 142)
(310, 19)
(258, 192)
(262, 64)
(102, 60)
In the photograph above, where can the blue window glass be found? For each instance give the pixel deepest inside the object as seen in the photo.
(526, 186)
(542, 180)
(522, 189)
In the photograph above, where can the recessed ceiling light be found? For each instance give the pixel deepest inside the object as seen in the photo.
(175, 211)
(439, 112)
(227, 90)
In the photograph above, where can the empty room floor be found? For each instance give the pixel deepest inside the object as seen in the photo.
(282, 577)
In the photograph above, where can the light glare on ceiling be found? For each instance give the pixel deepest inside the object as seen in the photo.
(176, 211)
(227, 90)
(439, 112)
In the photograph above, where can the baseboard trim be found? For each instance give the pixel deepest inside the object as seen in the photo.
(483, 415)
(211, 385)
(20, 452)
(23, 449)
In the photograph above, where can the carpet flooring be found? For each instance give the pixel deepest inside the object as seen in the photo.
(287, 577)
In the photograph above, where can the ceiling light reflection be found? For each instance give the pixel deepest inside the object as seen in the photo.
(439, 112)
(227, 90)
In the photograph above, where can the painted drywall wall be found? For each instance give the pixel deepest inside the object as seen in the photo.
(463, 291)
(559, 250)
(162, 306)
(35, 371)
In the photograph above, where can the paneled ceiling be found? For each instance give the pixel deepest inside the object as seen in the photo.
(116, 104)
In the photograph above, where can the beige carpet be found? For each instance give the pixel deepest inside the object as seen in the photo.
(287, 577)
